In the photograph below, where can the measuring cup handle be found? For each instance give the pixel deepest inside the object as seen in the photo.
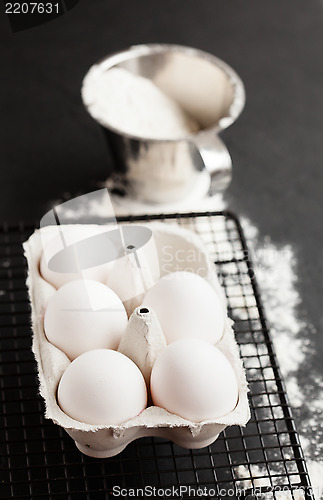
(216, 159)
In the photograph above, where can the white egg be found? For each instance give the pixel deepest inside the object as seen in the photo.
(193, 379)
(71, 235)
(102, 387)
(186, 306)
(84, 315)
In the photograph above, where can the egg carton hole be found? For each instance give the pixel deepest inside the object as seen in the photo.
(41, 461)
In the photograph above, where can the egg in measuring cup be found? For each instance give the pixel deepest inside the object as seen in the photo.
(186, 306)
(83, 315)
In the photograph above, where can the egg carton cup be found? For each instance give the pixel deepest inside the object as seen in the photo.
(178, 249)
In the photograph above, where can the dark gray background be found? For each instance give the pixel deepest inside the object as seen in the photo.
(50, 146)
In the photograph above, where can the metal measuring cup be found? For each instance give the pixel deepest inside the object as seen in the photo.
(210, 91)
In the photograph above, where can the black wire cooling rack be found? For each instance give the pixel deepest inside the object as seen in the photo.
(40, 461)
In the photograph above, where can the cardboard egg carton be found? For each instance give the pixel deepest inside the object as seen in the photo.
(178, 250)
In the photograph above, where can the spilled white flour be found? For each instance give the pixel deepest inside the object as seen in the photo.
(276, 272)
(275, 269)
(134, 105)
(257, 481)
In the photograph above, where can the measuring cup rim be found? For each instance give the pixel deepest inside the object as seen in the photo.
(118, 57)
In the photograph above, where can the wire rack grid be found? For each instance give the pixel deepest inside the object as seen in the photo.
(39, 460)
